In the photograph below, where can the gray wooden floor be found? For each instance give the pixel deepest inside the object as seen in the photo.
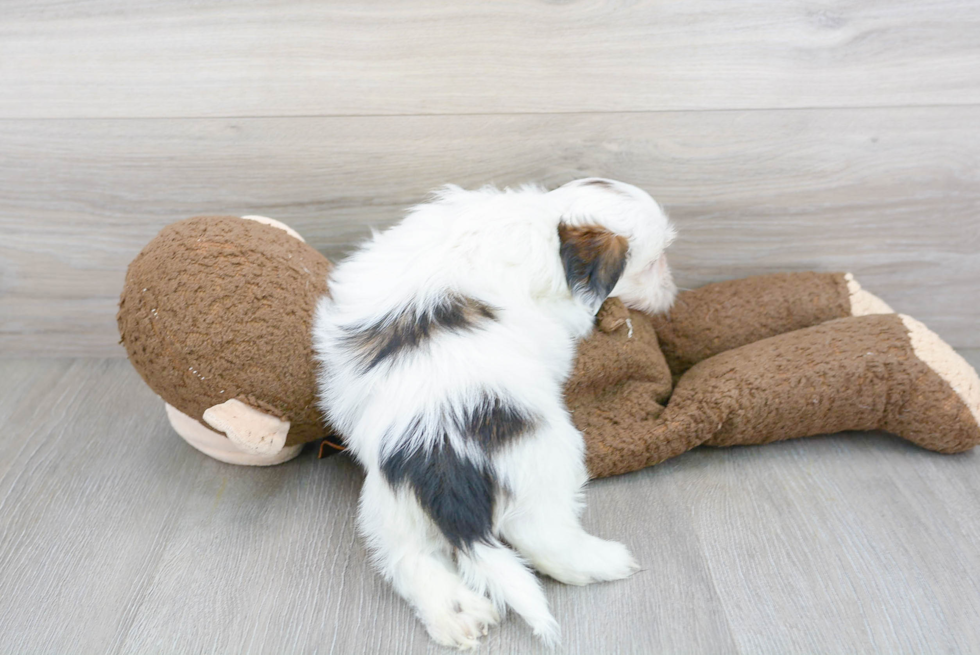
(115, 536)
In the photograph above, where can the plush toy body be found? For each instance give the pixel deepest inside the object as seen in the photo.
(216, 316)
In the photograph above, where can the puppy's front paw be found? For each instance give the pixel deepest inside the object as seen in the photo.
(461, 624)
(595, 560)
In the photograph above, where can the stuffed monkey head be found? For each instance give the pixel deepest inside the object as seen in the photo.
(215, 316)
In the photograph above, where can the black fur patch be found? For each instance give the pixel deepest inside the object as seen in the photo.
(493, 422)
(604, 184)
(594, 259)
(456, 493)
(409, 328)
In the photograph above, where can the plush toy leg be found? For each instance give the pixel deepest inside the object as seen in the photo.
(726, 315)
(216, 445)
(876, 372)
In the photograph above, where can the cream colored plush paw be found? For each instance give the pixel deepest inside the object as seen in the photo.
(949, 364)
(864, 303)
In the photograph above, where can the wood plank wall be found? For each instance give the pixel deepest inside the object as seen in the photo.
(779, 135)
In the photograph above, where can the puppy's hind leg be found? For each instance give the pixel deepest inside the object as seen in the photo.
(548, 472)
(493, 568)
(459, 493)
(410, 553)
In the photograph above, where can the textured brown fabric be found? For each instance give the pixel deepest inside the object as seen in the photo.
(854, 373)
(726, 315)
(218, 307)
(618, 382)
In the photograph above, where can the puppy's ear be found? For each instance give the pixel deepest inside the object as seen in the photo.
(594, 259)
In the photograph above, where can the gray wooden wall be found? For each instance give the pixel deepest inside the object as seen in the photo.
(780, 135)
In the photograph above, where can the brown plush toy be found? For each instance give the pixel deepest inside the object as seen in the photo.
(764, 359)
(216, 314)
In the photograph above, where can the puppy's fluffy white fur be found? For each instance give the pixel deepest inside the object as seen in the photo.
(445, 345)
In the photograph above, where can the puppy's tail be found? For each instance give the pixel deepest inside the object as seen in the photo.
(493, 569)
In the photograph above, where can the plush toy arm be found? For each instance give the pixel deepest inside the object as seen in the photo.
(726, 315)
(621, 358)
(876, 372)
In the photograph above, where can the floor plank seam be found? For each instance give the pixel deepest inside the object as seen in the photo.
(502, 114)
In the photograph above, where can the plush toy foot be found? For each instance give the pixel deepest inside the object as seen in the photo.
(216, 445)
(862, 302)
(956, 388)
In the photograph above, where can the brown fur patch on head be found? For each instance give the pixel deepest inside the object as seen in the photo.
(594, 259)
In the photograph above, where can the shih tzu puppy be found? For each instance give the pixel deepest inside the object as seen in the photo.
(445, 344)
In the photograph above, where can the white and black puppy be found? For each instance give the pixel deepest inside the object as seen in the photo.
(445, 346)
